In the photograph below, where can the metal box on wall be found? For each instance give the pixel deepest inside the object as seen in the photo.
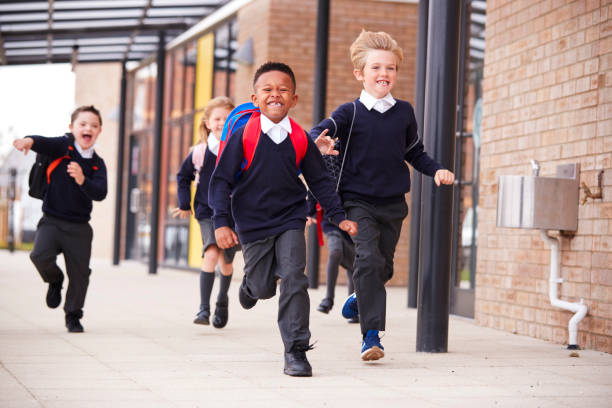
(548, 203)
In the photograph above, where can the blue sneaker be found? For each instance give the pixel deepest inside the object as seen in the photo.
(349, 309)
(371, 349)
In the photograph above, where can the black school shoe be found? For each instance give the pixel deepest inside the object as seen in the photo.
(296, 363)
(202, 317)
(221, 315)
(246, 301)
(73, 325)
(54, 294)
(326, 305)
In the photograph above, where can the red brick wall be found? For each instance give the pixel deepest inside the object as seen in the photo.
(292, 40)
(547, 96)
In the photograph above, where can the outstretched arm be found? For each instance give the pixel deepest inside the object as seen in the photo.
(23, 145)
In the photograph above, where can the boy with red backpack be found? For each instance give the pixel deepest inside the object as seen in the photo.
(257, 173)
(197, 168)
(75, 177)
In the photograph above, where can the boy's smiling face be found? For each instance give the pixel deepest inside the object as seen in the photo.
(86, 128)
(274, 95)
(379, 73)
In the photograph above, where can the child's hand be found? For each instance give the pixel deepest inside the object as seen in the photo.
(444, 177)
(226, 238)
(76, 173)
(348, 226)
(23, 145)
(310, 221)
(177, 212)
(326, 144)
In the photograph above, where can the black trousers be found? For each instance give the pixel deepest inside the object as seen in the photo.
(379, 230)
(283, 257)
(55, 236)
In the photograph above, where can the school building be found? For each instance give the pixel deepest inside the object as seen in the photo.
(534, 83)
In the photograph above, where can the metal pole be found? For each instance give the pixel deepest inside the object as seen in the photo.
(158, 130)
(415, 189)
(120, 154)
(318, 113)
(12, 194)
(436, 212)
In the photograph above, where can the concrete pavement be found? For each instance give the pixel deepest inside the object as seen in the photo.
(140, 349)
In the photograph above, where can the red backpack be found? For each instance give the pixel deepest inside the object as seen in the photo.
(249, 113)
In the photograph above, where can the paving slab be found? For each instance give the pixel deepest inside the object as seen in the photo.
(141, 349)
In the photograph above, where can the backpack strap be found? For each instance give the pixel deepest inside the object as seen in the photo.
(197, 159)
(299, 140)
(56, 163)
(250, 139)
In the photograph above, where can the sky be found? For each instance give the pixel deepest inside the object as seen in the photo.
(34, 100)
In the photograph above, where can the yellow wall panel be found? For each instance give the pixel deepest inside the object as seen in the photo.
(203, 94)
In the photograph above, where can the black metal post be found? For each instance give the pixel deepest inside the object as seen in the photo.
(436, 211)
(318, 113)
(120, 154)
(158, 130)
(416, 179)
(12, 194)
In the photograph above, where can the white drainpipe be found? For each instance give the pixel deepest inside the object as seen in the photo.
(579, 309)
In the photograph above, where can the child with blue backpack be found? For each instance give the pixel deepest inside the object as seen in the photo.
(197, 168)
(257, 175)
(378, 135)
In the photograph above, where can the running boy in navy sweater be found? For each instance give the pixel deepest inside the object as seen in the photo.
(78, 178)
(375, 176)
(268, 202)
(198, 167)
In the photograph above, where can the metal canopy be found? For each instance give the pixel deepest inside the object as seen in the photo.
(53, 31)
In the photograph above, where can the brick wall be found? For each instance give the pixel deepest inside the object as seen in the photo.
(292, 41)
(98, 85)
(547, 96)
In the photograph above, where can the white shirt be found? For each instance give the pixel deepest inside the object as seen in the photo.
(213, 144)
(276, 131)
(87, 153)
(381, 105)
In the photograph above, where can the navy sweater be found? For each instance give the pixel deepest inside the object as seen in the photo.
(184, 178)
(64, 198)
(375, 170)
(269, 198)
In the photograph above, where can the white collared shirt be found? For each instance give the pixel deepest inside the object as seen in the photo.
(276, 131)
(213, 144)
(381, 105)
(87, 153)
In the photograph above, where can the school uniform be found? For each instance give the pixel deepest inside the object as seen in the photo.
(268, 203)
(64, 227)
(341, 252)
(202, 211)
(374, 181)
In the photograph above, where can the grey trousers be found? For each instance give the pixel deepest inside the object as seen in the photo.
(379, 230)
(283, 257)
(55, 236)
(341, 252)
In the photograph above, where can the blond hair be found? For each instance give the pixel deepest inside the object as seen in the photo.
(218, 102)
(368, 41)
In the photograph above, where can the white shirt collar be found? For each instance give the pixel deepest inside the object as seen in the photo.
(276, 131)
(213, 144)
(87, 153)
(381, 105)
